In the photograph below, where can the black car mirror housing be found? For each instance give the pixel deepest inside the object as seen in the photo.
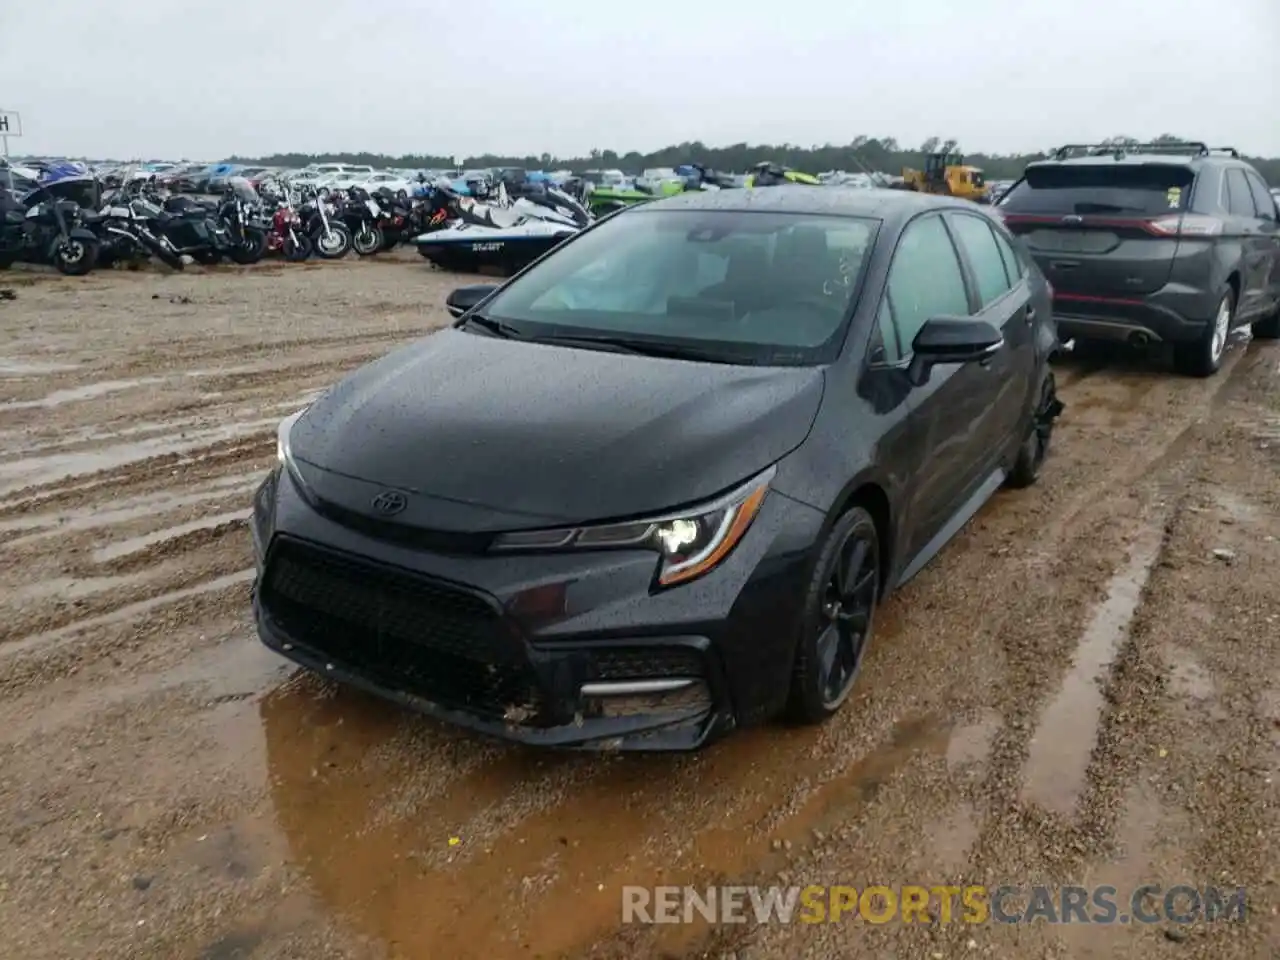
(948, 339)
(463, 299)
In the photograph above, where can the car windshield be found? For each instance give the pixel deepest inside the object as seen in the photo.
(728, 286)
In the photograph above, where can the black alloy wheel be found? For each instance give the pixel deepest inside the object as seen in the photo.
(839, 615)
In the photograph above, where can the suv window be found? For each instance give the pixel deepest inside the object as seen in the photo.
(924, 280)
(1111, 188)
(1263, 201)
(979, 244)
(1239, 199)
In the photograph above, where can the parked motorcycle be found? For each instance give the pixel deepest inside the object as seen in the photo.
(237, 213)
(51, 231)
(362, 216)
(130, 229)
(330, 237)
(287, 235)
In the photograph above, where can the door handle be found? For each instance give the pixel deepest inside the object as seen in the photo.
(1029, 315)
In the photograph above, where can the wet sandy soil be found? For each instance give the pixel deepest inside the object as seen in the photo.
(1079, 690)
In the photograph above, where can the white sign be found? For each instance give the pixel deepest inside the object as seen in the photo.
(10, 124)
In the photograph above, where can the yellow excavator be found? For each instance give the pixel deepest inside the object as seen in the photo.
(947, 174)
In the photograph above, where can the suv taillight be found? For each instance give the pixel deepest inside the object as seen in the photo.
(1186, 225)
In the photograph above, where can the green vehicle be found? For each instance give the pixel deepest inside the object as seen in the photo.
(606, 199)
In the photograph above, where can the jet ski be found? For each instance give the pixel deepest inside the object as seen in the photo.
(769, 174)
(502, 233)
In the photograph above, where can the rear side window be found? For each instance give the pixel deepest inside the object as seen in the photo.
(1238, 197)
(1012, 262)
(1104, 189)
(1263, 201)
(979, 245)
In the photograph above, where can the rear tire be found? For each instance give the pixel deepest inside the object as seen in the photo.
(1035, 445)
(842, 595)
(1203, 357)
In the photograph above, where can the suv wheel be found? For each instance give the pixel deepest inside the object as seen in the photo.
(1203, 357)
(839, 610)
(1269, 327)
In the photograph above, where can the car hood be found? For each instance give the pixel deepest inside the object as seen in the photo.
(485, 434)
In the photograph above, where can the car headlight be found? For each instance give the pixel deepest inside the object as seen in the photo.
(284, 452)
(690, 542)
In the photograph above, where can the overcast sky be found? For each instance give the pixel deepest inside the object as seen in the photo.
(159, 79)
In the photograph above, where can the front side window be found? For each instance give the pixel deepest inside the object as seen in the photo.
(925, 280)
(746, 287)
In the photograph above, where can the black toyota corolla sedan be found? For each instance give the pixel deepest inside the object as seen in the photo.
(653, 487)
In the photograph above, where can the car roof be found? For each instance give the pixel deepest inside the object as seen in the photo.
(1137, 159)
(875, 203)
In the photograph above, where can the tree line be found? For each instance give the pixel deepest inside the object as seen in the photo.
(884, 154)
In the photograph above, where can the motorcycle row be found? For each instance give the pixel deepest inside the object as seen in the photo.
(75, 226)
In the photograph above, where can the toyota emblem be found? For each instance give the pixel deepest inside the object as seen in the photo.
(390, 502)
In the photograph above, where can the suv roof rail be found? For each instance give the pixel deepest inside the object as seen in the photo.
(1229, 151)
(1194, 147)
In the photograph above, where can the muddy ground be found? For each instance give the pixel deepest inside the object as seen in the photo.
(1084, 687)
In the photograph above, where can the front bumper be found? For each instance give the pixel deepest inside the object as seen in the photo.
(564, 650)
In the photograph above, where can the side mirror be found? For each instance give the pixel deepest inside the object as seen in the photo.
(464, 298)
(951, 340)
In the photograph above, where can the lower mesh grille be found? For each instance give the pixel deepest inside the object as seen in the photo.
(404, 632)
(647, 663)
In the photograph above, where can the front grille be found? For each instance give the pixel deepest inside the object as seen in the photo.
(405, 632)
(647, 663)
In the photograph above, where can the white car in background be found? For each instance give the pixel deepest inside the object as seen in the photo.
(396, 183)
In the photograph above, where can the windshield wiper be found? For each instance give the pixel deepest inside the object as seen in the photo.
(495, 327)
(642, 348)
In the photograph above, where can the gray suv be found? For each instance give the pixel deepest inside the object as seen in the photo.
(1167, 242)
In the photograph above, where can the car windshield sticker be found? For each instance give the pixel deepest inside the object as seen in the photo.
(1174, 196)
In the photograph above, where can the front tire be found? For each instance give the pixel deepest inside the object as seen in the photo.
(75, 257)
(251, 249)
(839, 611)
(367, 241)
(1203, 357)
(295, 251)
(335, 244)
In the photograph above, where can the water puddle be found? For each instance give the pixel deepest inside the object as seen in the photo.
(528, 852)
(55, 638)
(229, 674)
(89, 391)
(23, 369)
(32, 471)
(125, 547)
(1139, 858)
(62, 522)
(971, 743)
(1065, 735)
